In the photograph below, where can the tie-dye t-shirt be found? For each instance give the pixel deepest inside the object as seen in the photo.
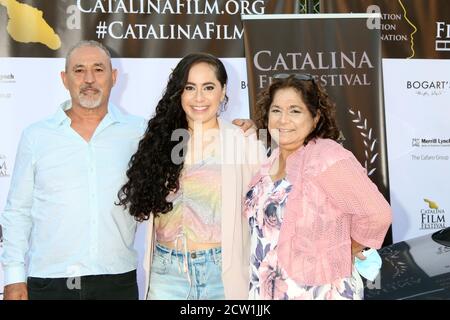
(196, 213)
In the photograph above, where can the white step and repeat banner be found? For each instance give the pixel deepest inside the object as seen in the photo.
(147, 42)
(415, 38)
(418, 124)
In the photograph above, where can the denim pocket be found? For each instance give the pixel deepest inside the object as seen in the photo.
(160, 263)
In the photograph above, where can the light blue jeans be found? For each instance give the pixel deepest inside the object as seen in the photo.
(173, 277)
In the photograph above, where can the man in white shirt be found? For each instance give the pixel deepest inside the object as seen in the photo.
(60, 218)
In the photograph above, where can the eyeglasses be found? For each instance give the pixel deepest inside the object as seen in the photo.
(298, 76)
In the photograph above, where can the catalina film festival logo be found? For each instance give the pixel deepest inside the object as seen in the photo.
(432, 217)
(344, 68)
(443, 36)
(3, 167)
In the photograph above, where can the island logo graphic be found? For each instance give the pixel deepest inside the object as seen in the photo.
(27, 24)
(433, 216)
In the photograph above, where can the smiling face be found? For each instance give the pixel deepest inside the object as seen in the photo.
(290, 121)
(202, 96)
(89, 77)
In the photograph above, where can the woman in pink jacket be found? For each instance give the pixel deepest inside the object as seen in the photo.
(311, 207)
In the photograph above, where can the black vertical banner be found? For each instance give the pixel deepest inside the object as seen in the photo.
(344, 53)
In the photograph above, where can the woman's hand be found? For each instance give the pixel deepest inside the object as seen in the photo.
(357, 249)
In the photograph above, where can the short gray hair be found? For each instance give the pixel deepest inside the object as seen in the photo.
(88, 43)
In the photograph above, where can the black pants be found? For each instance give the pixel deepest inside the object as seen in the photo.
(99, 287)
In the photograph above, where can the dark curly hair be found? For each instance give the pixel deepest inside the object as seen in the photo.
(315, 98)
(152, 174)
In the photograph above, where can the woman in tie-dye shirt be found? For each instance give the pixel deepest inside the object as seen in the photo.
(188, 178)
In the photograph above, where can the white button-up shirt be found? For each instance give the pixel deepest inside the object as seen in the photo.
(60, 218)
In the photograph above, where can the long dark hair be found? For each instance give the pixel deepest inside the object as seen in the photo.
(152, 174)
(315, 98)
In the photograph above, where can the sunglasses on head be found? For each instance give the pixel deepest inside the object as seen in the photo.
(298, 76)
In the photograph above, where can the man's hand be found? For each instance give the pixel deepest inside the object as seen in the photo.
(16, 291)
(246, 125)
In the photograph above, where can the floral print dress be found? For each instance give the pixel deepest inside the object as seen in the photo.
(264, 207)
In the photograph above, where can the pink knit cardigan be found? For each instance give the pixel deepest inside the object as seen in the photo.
(331, 202)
